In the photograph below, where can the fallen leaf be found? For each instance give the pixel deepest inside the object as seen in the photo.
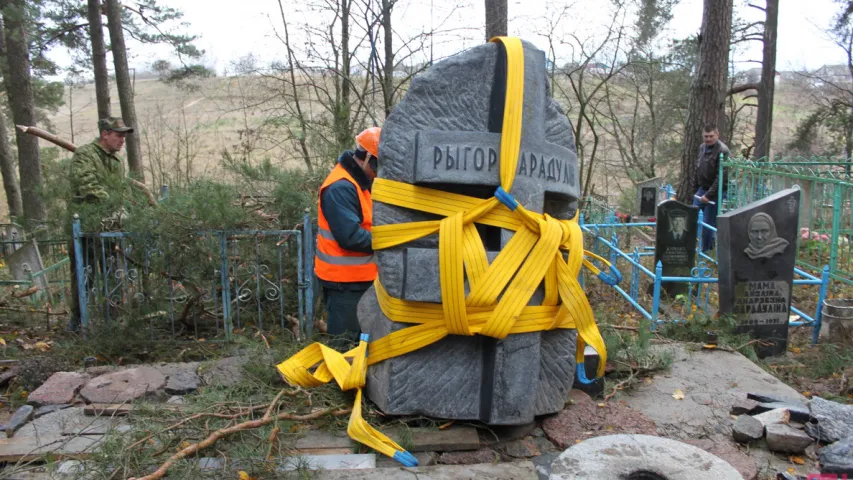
(792, 470)
(2, 342)
(678, 394)
(183, 445)
(446, 425)
(709, 346)
(42, 347)
(245, 476)
(602, 404)
(807, 394)
(796, 350)
(797, 460)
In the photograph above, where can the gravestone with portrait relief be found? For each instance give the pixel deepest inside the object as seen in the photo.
(675, 242)
(445, 134)
(757, 251)
(648, 192)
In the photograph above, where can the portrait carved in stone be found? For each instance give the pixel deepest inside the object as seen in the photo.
(763, 240)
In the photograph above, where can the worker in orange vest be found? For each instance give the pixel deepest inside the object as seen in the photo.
(344, 261)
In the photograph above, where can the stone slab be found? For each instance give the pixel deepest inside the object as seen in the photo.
(721, 376)
(757, 249)
(225, 372)
(743, 406)
(831, 421)
(484, 455)
(779, 415)
(786, 439)
(617, 457)
(182, 383)
(70, 421)
(319, 439)
(431, 440)
(798, 412)
(503, 471)
(123, 386)
(838, 457)
(35, 448)
(60, 388)
(732, 453)
(42, 411)
(586, 419)
(648, 193)
(328, 462)
(27, 259)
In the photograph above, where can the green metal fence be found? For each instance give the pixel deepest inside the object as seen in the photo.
(826, 217)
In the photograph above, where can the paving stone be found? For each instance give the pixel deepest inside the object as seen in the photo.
(123, 386)
(831, 421)
(485, 455)
(225, 372)
(617, 457)
(786, 439)
(722, 447)
(543, 464)
(506, 433)
(182, 383)
(521, 470)
(71, 468)
(747, 429)
(175, 400)
(21, 416)
(42, 411)
(60, 388)
(328, 462)
(837, 458)
(586, 419)
(777, 416)
(743, 406)
(798, 412)
(68, 421)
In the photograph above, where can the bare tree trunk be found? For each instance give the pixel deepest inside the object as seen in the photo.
(22, 104)
(125, 87)
(764, 120)
(342, 120)
(303, 143)
(706, 103)
(99, 59)
(496, 19)
(388, 79)
(7, 161)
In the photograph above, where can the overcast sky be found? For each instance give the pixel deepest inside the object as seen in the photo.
(230, 30)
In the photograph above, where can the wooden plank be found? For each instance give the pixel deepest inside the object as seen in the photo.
(322, 440)
(431, 440)
(33, 448)
(119, 409)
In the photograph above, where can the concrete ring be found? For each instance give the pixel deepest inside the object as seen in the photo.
(639, 457)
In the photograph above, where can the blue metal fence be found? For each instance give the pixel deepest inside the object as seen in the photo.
(606, 235)
(215, 280)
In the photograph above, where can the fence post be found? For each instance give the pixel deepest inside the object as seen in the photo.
(818, 316)
(308, 261)
(226, 286)
(699, 230)
(836, 225)
(79, 272)
(656, 298)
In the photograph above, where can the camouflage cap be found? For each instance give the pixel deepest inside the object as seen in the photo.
(114, 124)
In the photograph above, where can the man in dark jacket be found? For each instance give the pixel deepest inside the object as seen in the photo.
(344, 262)
(706, 181)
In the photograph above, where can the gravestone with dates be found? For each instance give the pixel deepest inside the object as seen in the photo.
(445, 134)
(675, 242)
(757, 251)
(647, 195)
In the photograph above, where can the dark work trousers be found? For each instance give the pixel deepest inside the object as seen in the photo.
(709, 216)
(342, 312)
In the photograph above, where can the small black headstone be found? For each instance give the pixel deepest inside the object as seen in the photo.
(675, 242)
(647, 201)
(757, 249)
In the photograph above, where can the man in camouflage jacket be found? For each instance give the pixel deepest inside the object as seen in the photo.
(96, 172)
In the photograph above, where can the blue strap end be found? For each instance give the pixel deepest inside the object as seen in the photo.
(506, 198)
(364, 337)
(611, 278)
(580, 375)
(406, 458)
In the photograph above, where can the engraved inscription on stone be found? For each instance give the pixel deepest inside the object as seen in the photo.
(763, 240)
(762, 303)
(675, 256)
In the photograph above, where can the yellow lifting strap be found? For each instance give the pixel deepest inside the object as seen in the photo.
(497, 303)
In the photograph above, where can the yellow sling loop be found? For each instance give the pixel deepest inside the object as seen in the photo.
(496, 305)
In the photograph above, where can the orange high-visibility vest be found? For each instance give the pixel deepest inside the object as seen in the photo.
(332, 262)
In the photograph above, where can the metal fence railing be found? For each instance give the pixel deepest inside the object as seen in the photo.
(214, 281)
(826, 206)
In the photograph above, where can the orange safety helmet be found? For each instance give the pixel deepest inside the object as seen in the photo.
(369, 140)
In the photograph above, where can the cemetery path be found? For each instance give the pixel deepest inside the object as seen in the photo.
(712, 381)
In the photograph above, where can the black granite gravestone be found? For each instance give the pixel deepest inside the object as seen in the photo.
(675, 242)
(647, 195)
(445, 134)
(757, 249)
